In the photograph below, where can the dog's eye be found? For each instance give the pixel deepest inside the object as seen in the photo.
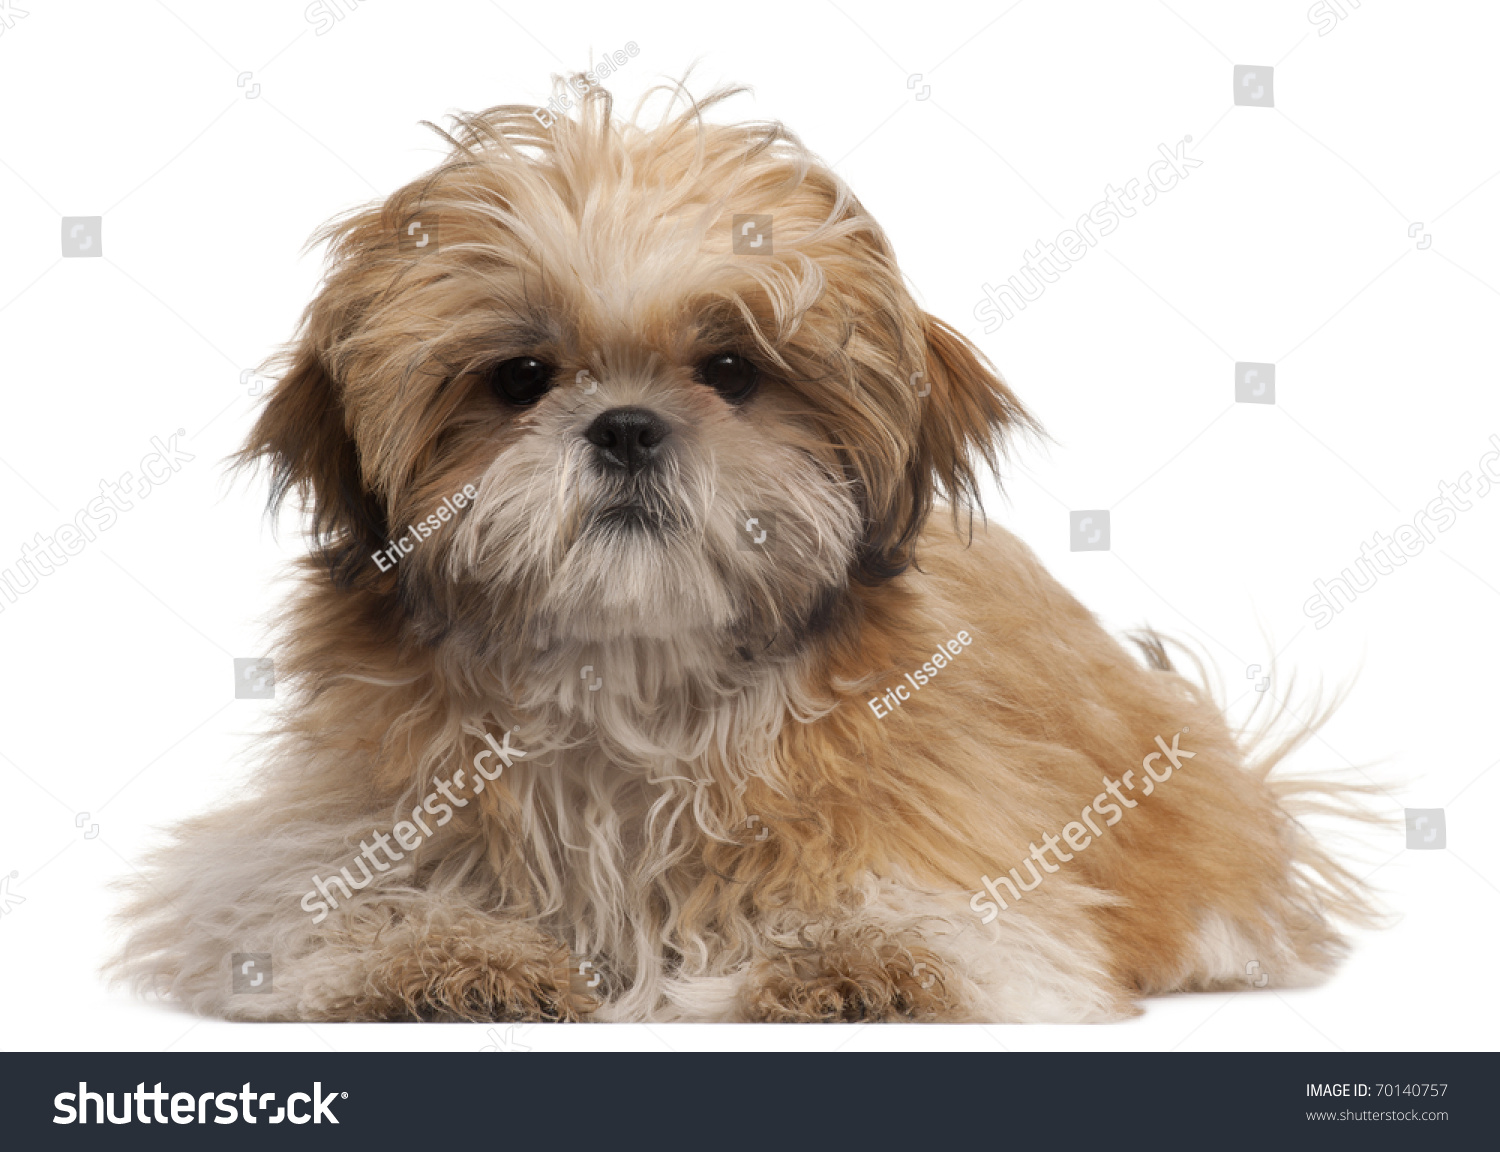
(730, 375)
(522, 380)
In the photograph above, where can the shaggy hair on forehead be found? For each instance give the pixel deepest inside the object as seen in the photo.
(699, 810)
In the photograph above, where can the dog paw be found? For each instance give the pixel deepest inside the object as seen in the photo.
(500, 975)
(849, 985)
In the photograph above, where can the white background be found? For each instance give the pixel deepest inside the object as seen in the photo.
(1291, 244)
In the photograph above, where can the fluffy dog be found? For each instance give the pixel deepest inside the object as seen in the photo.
(642, 493)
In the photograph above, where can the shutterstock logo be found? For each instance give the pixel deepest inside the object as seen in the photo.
(185, 1108)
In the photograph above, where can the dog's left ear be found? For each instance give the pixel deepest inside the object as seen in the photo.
(964, 413)
(301, 432)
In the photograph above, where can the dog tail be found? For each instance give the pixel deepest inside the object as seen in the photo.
(1318, 809)
(1270, 735)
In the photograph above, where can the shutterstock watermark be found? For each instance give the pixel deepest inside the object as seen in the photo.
(325, 14)
(411, 834)
(1046, 262)
(10, 13)
(1111, 804)
(46, 553)
(1326, 14)
(1383, 554)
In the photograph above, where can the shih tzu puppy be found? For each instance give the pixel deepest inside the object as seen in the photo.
(653, 662)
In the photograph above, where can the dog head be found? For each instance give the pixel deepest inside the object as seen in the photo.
(676, 365)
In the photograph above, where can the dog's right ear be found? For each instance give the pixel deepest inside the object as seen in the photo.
(303, 436)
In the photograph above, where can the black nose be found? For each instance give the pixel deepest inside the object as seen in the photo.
(627, 437)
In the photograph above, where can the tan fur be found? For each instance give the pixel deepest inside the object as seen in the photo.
(720, 828)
